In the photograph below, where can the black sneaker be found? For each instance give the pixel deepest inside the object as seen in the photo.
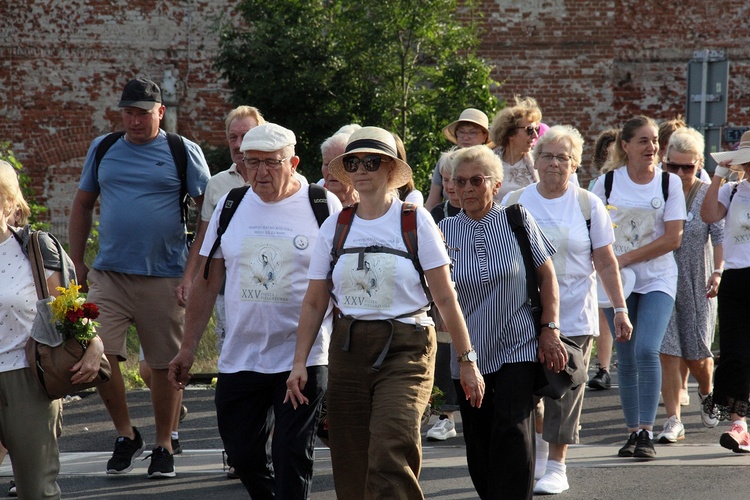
(126, 451)
(601, 381)
(644, 447)
(629, 448)
(183, 412)
(176, 448)
(12, 489)
(162, 463)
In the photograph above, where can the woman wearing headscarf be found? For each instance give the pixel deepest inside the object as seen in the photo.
(690, 332)
(514, 131)
(649, 213)
(490, 279)
(382, 349)
(731, 202)
(576, 222)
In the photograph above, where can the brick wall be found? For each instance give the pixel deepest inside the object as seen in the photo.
(589, 63)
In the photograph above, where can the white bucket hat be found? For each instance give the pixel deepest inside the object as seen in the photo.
(372, 140)
(627, 277)
(739, 156)
(470, 115)
(268, 137)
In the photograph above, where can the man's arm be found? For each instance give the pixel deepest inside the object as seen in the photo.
(79, 228)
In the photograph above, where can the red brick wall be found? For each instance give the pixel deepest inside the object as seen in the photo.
(589, 63)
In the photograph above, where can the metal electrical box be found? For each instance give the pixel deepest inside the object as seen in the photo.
(708, 74)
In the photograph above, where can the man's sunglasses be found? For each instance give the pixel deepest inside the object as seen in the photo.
(370, 162)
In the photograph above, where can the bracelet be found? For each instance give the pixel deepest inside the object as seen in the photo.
(721, 172)
(718, 271)
(621, 310)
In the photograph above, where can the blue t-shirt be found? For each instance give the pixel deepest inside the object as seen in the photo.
(141, 229)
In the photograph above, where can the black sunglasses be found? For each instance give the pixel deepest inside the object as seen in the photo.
(475, 181)
(674, 167)
(530, 130)
(370, 162)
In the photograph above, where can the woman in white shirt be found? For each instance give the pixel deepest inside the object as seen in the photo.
(583, 241)
(648, 210)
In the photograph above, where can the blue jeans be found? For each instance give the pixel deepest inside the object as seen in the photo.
(638, 365)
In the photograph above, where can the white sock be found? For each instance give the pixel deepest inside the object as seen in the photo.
(175, 435)
(554, 466)
(742, 423)
(542, 446)
(650, 435)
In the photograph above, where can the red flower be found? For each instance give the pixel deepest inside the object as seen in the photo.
(90, 310)
(74, 315)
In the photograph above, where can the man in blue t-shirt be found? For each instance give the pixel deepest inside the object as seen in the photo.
(141, 259)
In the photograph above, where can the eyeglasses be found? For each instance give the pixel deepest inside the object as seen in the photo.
(561, 159)
(370, 163)
(271, 163)
(475, 181)
(674, 167)
(467, 132)
(530, 130)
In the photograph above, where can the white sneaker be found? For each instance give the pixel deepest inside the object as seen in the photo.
(684, 398)
(551, 483)
(673, 431)
(707, 416)
(442, 430)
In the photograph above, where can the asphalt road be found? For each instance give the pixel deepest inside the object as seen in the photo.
(696, 468)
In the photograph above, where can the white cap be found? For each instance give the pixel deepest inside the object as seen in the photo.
(267, 137)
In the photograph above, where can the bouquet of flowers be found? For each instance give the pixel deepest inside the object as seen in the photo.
(72, 315)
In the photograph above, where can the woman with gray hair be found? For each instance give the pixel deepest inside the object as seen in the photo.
(331, 148)
(700, 260)
(499, 445)
(577, 223)
(514, 131)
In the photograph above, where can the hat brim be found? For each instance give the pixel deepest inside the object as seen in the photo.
(449, 131)
(738, 157)
(400, 174)
(145, 105)
(627, 276)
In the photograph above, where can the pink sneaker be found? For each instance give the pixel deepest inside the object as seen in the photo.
(737, 439)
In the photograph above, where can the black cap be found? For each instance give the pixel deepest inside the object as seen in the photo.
(140, 93)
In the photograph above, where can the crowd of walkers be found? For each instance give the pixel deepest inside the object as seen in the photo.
(342, 306)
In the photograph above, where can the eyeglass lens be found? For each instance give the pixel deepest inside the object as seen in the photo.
(370, 162)
(475, 181)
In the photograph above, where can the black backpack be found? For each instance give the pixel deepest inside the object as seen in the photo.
(179, 154)
(318, 202)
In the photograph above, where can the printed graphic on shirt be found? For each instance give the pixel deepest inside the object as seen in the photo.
(369, 286)
(559, 237)
(635, 228)
(740, 221)
(264, 267)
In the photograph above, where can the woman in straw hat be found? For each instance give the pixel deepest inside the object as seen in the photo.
(471, 129)
(731, 202)
(383, 342)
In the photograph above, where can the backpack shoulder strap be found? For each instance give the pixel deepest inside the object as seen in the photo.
(102, 148)
(232, 201)
(179, 155)
(608, 178)
(409, 231)
(665, 186)
(515, 218)
(343, 226)
(319, 203)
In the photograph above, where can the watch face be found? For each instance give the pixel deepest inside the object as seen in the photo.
(552, 325)
(472, 356)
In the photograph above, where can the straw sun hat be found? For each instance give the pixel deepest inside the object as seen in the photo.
(372, 140)
(469, 115)
(739, 156)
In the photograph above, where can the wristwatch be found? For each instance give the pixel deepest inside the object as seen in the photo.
(470, 355)
(551, 325)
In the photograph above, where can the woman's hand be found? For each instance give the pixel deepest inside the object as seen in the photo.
(87, 368)
(295, 384)
(472, 383)
(623, 328)
(551, 350)
(712, 287)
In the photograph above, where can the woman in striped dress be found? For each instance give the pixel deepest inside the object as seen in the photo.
(491, 285)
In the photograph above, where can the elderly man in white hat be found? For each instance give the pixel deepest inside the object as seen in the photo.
(732, 377)
(264, 255)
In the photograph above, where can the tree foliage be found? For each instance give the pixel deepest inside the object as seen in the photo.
(314, 65)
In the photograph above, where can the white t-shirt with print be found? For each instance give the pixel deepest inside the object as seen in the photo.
(737, 225)
(564, 225)
(386, 285)
(266, 250)
(639, 213)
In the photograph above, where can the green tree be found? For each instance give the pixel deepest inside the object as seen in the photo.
(314, 65)
(6, 154)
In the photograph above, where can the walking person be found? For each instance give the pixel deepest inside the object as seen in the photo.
(649, 217)
(382, 349)
(263, 255)
(141, 185)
